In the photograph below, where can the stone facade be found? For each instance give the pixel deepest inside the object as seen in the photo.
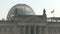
(33, 24)
(29, 26)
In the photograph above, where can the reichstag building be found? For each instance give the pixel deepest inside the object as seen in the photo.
(21, 19)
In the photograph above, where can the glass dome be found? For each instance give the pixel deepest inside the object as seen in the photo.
(20, 9)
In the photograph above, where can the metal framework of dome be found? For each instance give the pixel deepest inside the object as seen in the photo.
(20, 9)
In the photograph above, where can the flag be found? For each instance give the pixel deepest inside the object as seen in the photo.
(52, 11)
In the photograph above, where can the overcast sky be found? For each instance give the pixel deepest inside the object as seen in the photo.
(37, 6)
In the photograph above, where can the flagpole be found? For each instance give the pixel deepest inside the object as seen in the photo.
(54, 14)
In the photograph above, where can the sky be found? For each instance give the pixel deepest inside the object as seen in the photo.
(36, 5)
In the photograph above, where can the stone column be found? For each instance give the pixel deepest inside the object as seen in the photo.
(29, 30)
(24, 29)
(15, 29)
(19, 29)
(35, 29)
(39, 29)
(46, 29)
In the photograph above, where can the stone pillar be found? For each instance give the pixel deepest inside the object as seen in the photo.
(15, 29)
(29, 30)
(39, 30)
(46, 30)
(35, 29)
(19, 29)
(24, 29)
